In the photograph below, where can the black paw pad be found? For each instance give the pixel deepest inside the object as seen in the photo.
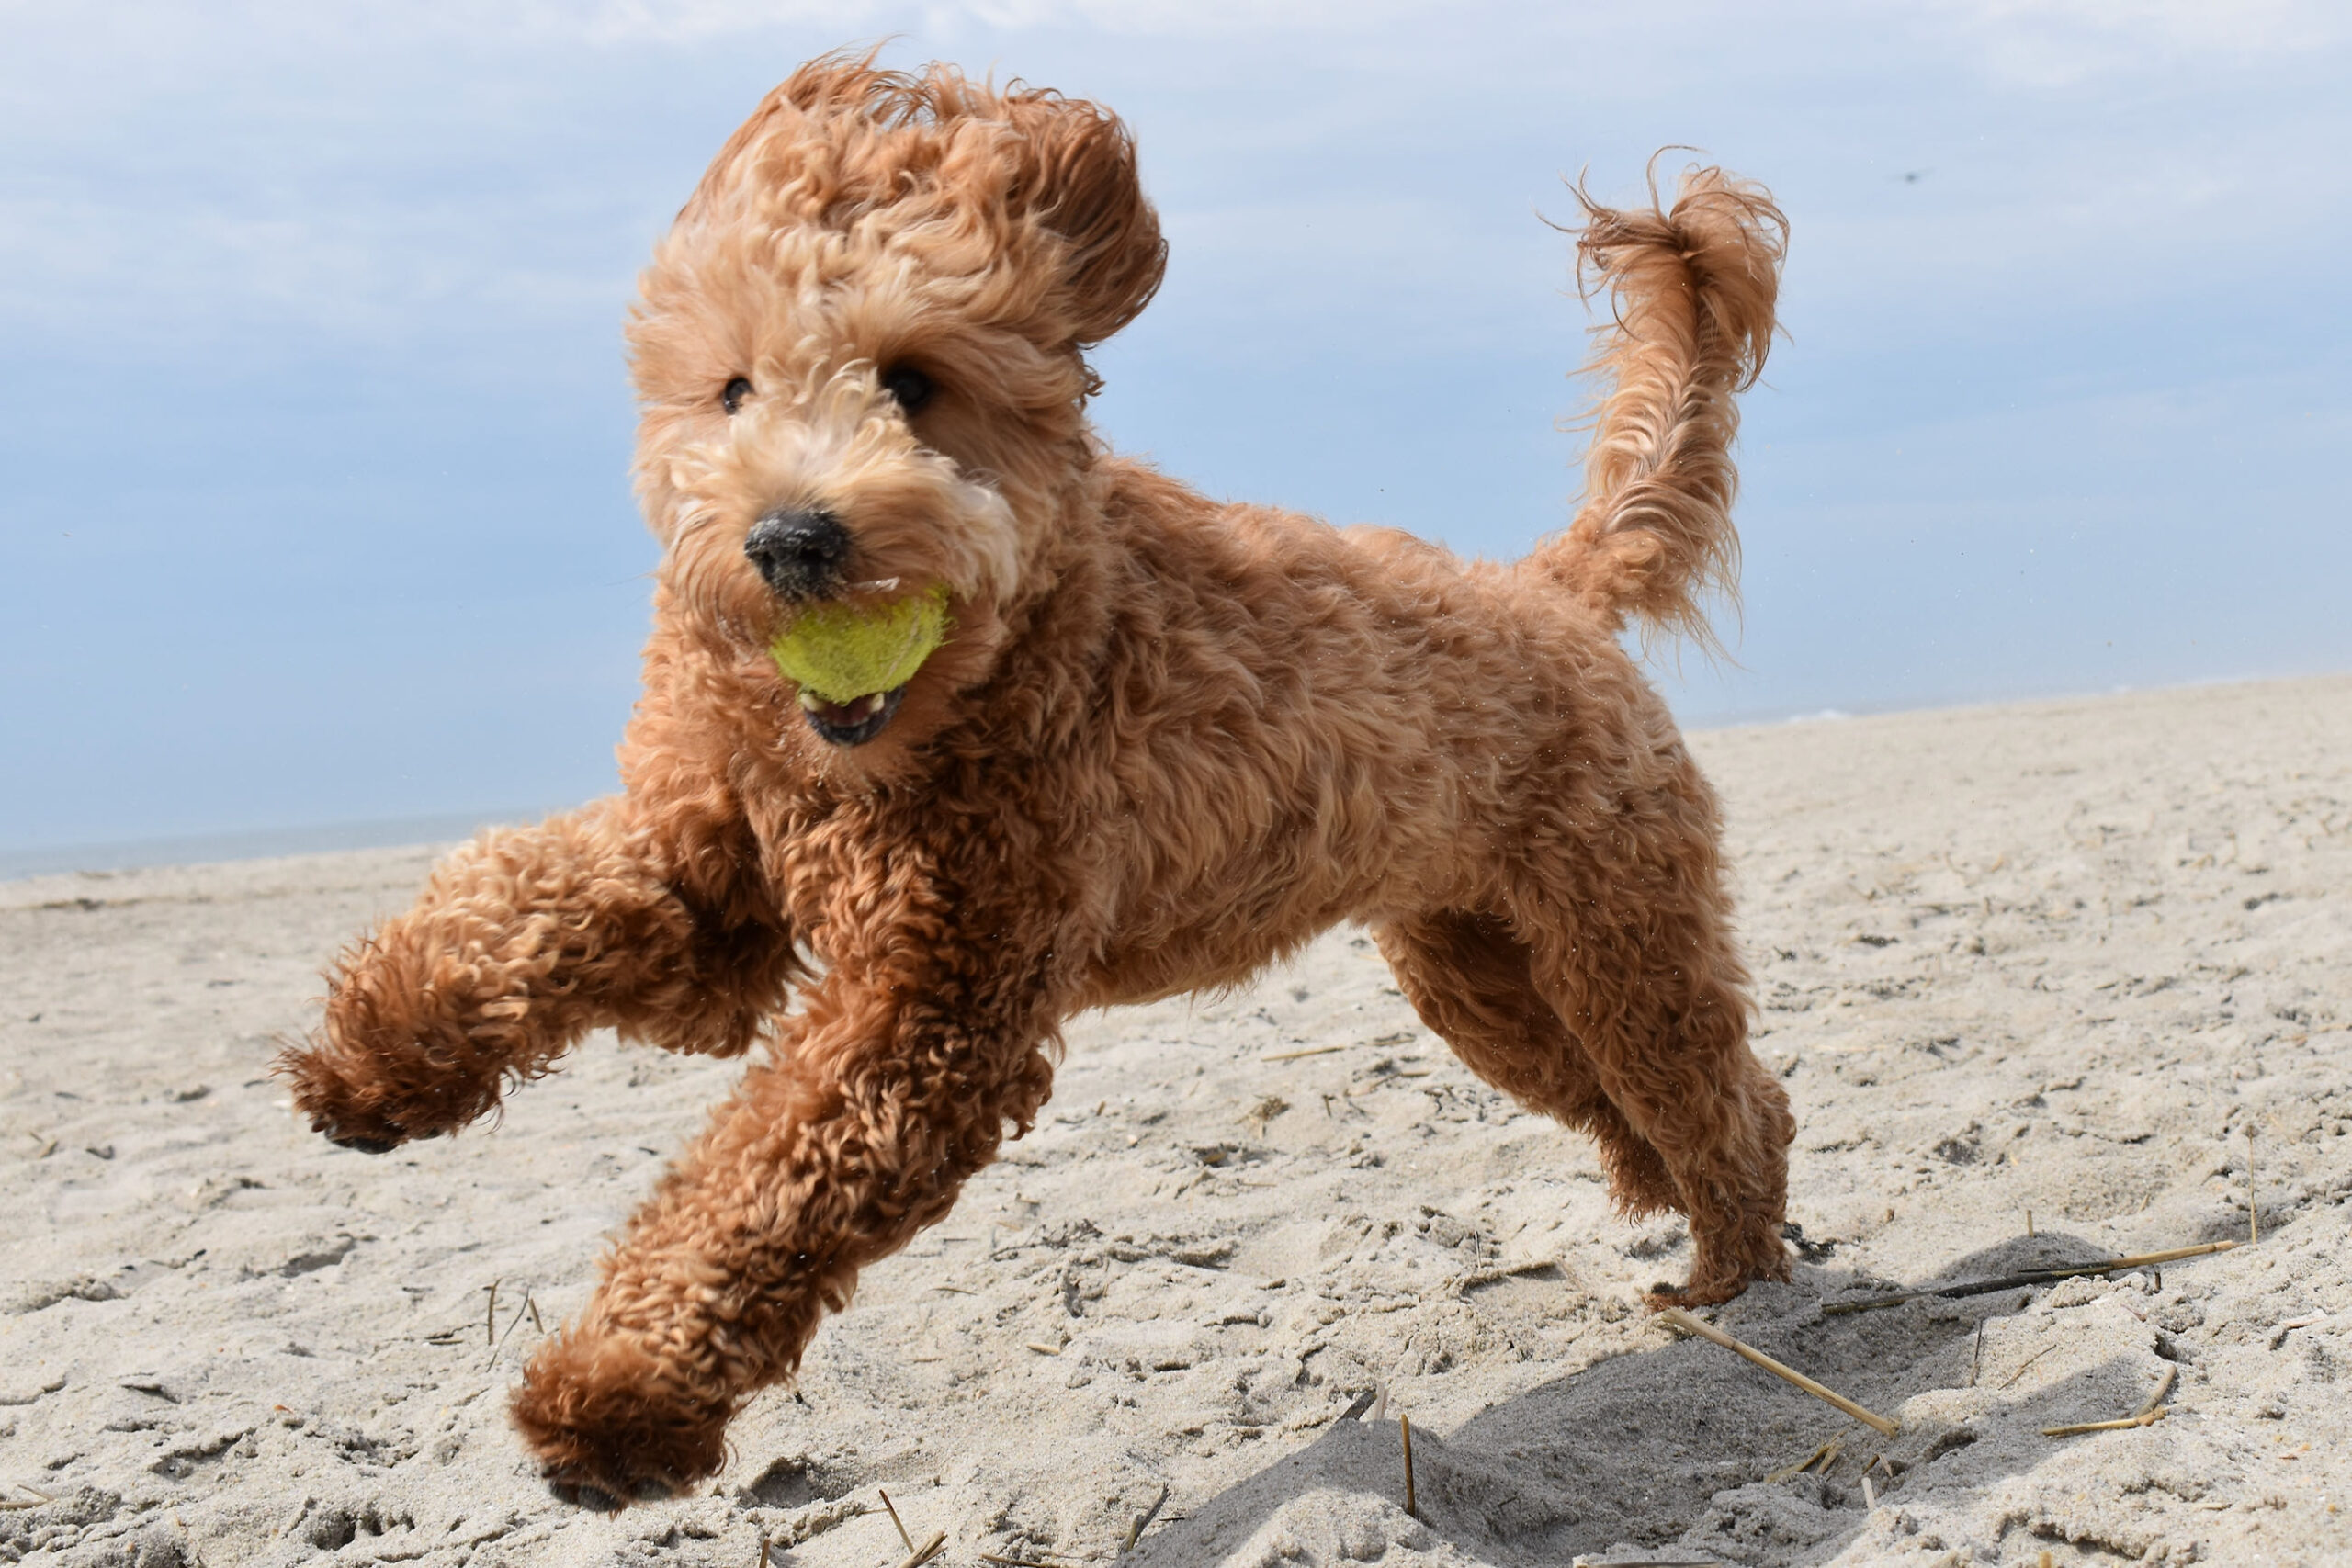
(583, 1495)
(589, 1495)
(366, 1146)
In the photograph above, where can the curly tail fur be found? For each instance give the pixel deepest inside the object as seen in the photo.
(1692, 288)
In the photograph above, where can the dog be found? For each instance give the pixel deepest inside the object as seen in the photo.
(1165, 742)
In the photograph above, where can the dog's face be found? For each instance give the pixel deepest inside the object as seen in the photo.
(859, 353)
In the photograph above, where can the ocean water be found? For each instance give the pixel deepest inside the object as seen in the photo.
(253, 844)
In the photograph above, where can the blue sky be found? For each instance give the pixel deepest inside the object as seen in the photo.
(316, 430)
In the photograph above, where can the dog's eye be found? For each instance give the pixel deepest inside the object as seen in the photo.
(909, 386)
(732, 397)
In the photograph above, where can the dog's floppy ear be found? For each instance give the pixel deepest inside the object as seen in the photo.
(1079, 181)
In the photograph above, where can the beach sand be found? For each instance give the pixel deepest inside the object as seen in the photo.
(2073, 960)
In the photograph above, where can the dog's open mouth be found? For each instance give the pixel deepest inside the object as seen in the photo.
(852, 657)
(852, 723)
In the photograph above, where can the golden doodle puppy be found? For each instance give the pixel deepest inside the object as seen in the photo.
(1159, 741)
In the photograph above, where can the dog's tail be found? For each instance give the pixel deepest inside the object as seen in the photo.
(1692, 288)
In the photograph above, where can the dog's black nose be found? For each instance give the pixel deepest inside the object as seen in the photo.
(799, 553)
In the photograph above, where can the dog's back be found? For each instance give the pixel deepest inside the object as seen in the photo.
(1334, 715)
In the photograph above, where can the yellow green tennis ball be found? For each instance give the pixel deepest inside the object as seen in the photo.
(841, 652)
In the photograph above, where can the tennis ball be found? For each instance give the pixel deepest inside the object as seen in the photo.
(842, 652)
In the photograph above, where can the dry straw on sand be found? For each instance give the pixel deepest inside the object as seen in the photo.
(1405, 1431)
(2148, 1415)
(1690, 1324)
(1825, 1456)
(2032, 1277)
(916, 1555)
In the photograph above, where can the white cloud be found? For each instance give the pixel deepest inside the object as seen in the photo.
(279, 162)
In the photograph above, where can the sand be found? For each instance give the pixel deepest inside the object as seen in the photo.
(2073, 960)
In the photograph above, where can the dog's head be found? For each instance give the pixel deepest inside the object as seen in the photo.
(860, 357)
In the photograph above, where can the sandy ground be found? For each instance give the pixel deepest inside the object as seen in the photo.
(2070, 959)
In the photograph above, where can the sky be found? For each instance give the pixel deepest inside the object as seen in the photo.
(316, 428)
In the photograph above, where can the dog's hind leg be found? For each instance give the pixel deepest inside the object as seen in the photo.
(1639, 965)
(1468, 977)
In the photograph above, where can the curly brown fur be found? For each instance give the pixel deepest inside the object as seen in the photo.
(1692, 290)
(1168, 741)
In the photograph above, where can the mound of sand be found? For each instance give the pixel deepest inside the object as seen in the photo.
(2075, 958)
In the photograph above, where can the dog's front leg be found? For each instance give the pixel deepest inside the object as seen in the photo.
(897, 1084)
(524, 940)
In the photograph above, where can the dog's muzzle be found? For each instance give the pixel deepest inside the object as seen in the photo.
(803, 555)
(800, 554)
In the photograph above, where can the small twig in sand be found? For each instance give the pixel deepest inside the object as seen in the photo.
(2032, 1277)
(513, 1322)
(896, 1521)
(1870, 1493)
(1690, 1324)
(1405, 1430)
(2028, 1362)
(2148, 1415)
(1977, 1356)
(1825, 1456)
(2253, 1213)
(1295, 1056)
(1647, 1562)
(2279, 1335)
(538, 1324)
(2164, 1387)
(1135, 1530)
(2028, 1222)
(490, 1317)
(922, 1554)
(1479, 1277)
(35, 1500)
(1041, 1348)
(1261, 1115)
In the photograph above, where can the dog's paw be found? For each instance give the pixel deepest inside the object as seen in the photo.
(1726, 1266)
(611, 1426)
(1664, 1294)
(345, 1112)
(581, 1493)
(358, 1143)
(384, 1143)
(373, 1106)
